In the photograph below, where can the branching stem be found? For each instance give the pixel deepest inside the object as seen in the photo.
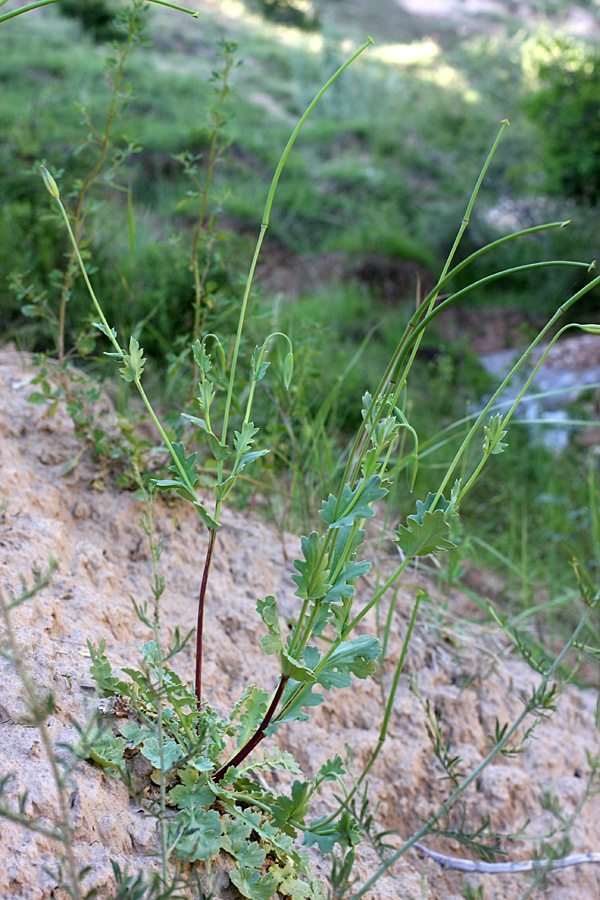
(258, 735)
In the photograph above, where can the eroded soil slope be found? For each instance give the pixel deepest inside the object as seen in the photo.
(468, 674)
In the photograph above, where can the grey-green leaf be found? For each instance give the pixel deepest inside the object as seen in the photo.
(355, 657)
(288, 370)
(353, 504)
(133, 362)
(426, 534)
(494, 433)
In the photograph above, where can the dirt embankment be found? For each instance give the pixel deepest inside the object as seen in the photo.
(103, 561)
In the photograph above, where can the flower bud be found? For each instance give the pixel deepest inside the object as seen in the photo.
(50, 182)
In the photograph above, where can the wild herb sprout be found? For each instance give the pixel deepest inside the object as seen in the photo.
(206, 787)
(221, 807)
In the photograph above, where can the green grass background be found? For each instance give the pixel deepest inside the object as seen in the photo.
(380, 177)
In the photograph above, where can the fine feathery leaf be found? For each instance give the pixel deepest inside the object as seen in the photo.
(493, 443)
(267, 610)
(253, 712)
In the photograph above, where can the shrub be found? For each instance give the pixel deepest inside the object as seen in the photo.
(566, 107)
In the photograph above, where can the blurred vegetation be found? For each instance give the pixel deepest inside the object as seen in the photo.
(298, 13)
(380, 176)
(97, 17)
(566, 108)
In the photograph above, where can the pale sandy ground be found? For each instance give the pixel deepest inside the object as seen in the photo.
(468, 673)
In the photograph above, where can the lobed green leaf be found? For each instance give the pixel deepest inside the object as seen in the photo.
(429, 535)
(353, 504)
(312, 581)
(355, 657)
(295, 807)
(250, 884)
(133, 362)
(494, 433)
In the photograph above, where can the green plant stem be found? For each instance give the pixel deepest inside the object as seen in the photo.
(415, 327)
(480, 418)
(463, 227)
(473, 198)
(40, 3)
(350, 627)
(157, 589)
(385, 385)
(377, 596)
(210, 522)
(388, 712)
(506, 738)
(79, 215)
(109, 334)
(258, 735)
(24, 9)
(509, 414)
(199, 280)
(263, 228)
(418, 327)
(63, 831)
(253, 801)
(190, 12)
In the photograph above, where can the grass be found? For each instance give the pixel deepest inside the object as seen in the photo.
(394, 135)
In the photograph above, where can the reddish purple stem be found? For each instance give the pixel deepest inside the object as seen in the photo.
(200, 623)
(258, 735)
